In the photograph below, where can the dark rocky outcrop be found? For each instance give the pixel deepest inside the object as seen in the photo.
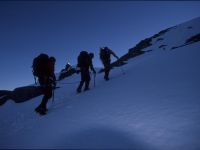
(159, 39)
(25, 93)
(161, 33)
(65, 74)
(20, 94)
(137, 50)
(193, 39)
(163, 46)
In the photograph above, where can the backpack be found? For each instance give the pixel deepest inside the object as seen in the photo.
(84, 59)
(40, 65)
(104, 54)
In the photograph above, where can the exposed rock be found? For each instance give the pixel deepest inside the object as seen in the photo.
(193, 39)
(162, 46)
(65, 74)
(174, 47)
(141, 45)
(4, 92)
(160, 39)
(20, 94)
(161, 33)
(25, 93)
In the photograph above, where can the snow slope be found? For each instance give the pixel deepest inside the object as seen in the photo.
(177, 35)
(155, 105)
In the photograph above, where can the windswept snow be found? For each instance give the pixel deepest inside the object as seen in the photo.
(155, 105)
(177, 35)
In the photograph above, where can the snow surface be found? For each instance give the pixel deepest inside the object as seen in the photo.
(154, 105)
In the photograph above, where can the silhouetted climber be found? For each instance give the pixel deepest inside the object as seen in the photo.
(68, 67)
(84, 63)
(105, 54)
(67, 71)
(43, 68)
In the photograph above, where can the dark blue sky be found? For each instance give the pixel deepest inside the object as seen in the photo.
(63, 28)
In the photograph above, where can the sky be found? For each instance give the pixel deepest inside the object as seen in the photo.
(64, 28)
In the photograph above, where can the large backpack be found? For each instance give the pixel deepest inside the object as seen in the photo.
(84, 59)
(104, 54)
(40, 65)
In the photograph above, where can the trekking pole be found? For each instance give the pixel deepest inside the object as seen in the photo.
(53, 95)
(94, 79)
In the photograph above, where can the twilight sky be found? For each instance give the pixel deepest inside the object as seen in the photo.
(64, 28)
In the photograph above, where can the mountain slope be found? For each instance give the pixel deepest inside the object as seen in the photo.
(168, 39)
(155, 105)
